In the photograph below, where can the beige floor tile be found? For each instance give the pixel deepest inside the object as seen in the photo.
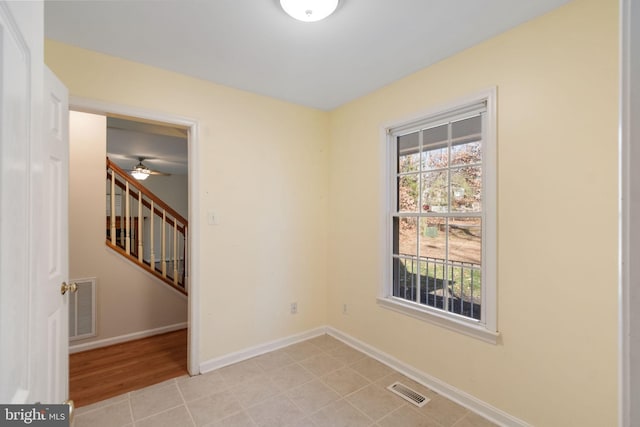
(275, 359)
(240, 419)
(303, 422)
(302, 350)
(151, 400)
(346, 354)
(345, 381)
(275, 412)
(375, 401)
(290, 376)
(176, 417)
(444, 411)
(239, 372)
(321, 364)
(340, 414)
(371, 369)
(474, 420)
(152, 387)
(101, 404)
(312, 396)
(200, 385)
(254, 390)
(213, 408)
(116, 415)
(406, 416)
(325, 342)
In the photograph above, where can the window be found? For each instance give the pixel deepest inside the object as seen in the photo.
(442, 218)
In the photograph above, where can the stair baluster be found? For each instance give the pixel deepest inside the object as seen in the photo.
(126, 223)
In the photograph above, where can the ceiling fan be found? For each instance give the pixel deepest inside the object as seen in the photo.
(142, 172)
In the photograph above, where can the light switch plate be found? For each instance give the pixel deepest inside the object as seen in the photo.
(212, 219)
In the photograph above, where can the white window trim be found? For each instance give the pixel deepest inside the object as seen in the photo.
(487, 330)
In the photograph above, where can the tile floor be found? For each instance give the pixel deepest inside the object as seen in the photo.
(320, 382)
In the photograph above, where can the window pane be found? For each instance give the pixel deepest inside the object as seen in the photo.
(466, 189)
(435, 192)
(436, 136)
(435, 158)
(404, 284)
(432, 281)
(463, 267)
(464, 154)
(465, 291)
(466, 145)
(395, 224)
(408, 236)
(434, 147)
(408, 193)
(466, 130)
(465, 240)
(433, 237)
(408, 153)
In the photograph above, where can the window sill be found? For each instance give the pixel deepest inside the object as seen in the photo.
(431, 316)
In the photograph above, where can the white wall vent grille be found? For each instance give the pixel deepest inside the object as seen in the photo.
(408, 394)
(82, 310)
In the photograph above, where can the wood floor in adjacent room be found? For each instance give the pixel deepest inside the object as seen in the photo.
(102, 373)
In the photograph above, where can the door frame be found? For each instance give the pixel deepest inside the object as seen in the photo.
(629, 207)
(104, 108)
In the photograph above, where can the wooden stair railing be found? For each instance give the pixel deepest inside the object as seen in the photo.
(144, 229)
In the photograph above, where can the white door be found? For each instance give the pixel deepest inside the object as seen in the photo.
(33, 257)
(18, 114)
(54, 306)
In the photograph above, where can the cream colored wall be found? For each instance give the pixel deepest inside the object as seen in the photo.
(262, 167)
(128, 300)
(557, 77)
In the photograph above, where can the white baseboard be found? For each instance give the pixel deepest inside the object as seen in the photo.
(462, 398)
(239, 356)
(76, 348)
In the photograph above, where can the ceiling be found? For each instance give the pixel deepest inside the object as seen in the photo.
(254, 46)
(160, 147)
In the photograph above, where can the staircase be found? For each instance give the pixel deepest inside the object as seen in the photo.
(145, 230)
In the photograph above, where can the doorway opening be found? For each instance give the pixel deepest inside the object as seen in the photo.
(165, 145)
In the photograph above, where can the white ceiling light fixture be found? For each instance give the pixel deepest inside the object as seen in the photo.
(140, 172)
(140, 175)
(309, 10)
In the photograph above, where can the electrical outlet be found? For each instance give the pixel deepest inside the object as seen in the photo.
(294, 308)
(344, 308)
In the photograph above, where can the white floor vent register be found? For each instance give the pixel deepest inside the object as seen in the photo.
(408, 394)
(82, 310)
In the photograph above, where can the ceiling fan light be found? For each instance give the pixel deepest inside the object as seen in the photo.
(309, 10)
(140, 174)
